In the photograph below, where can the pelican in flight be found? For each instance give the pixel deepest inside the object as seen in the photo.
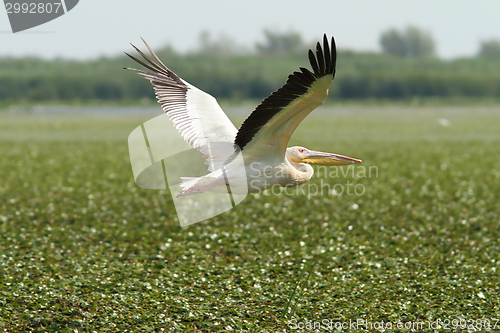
(262, 138)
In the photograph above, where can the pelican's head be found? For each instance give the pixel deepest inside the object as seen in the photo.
(304, 155)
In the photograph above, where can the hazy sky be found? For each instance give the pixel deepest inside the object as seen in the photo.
(104, 27)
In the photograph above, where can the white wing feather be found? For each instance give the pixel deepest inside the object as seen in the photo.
(195, 114)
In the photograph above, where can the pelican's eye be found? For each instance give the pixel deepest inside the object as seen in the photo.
(302, 150)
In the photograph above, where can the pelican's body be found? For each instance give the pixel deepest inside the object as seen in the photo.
(263, 137)
(253, 175)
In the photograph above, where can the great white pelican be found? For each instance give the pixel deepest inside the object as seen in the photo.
(262, 138)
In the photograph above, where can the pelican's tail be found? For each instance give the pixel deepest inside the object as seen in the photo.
(195, 185)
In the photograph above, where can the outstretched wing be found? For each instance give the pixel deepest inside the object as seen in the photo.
(267, 131)
(196, 115)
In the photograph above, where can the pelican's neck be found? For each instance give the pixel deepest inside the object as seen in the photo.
(302, 171)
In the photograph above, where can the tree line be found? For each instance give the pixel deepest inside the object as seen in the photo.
(406, 68)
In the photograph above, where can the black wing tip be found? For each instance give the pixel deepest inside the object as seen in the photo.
(152, 65)
(152, 62)
(323, 61)
(129, 55)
